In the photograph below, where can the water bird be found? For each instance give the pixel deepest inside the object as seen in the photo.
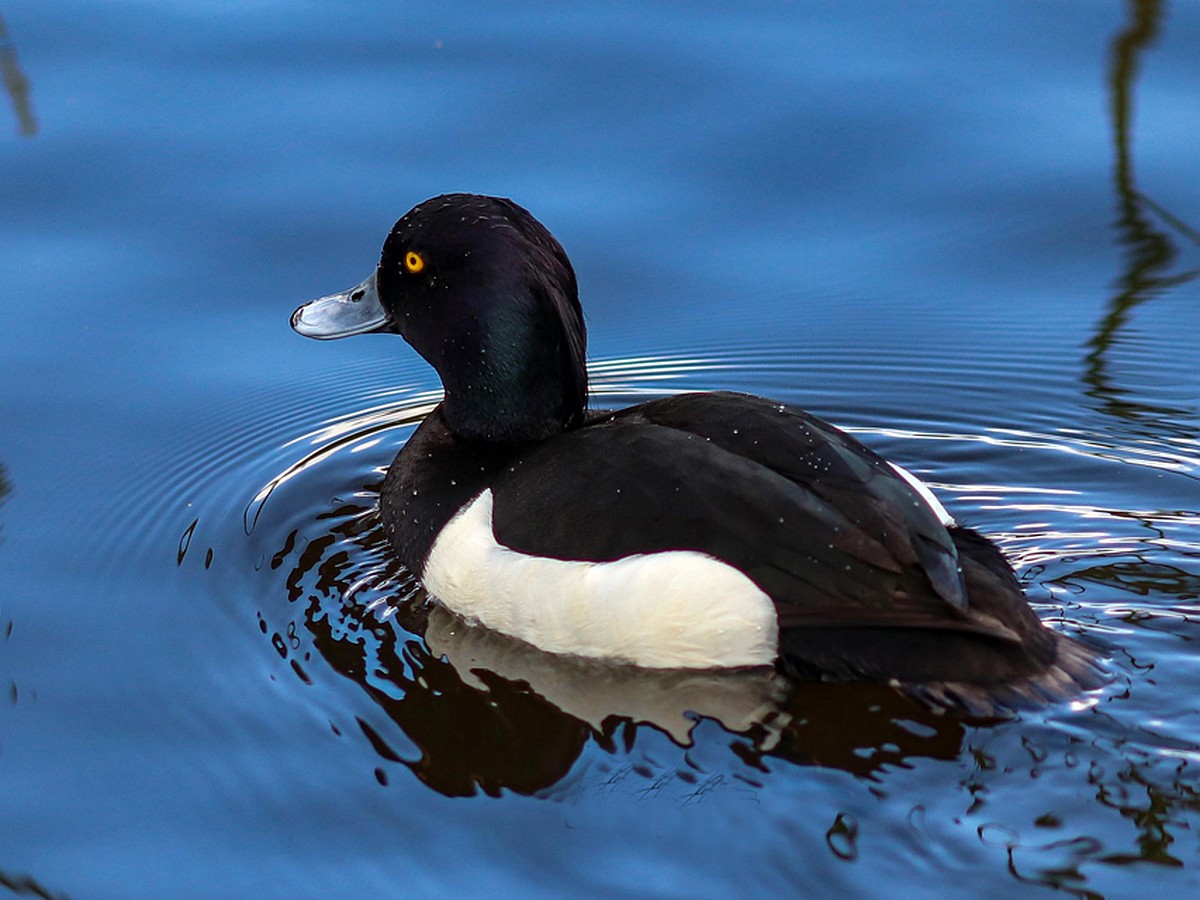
(712, 530)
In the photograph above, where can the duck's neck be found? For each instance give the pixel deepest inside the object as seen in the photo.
(514, 381)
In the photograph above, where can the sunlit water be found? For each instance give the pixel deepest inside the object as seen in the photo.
(936, 231)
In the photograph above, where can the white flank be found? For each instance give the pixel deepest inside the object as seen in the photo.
(675, 609)
(926, 494)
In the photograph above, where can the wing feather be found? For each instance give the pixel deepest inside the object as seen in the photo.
(825, 526)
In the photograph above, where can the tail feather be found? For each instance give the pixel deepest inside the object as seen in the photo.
(1076, 669)
(975, 674)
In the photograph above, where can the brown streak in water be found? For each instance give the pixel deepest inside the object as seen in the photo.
(16, 84)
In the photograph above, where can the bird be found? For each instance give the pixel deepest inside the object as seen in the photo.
(706, 530)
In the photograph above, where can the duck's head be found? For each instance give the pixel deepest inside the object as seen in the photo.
(488, 297)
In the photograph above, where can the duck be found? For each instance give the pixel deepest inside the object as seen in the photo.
(707, 530)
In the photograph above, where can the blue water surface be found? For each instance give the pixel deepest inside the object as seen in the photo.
(966, 232)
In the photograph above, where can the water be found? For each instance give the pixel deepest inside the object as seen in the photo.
(968, 236)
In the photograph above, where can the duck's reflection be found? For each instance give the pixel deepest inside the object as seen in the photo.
(594, 692)
(491, 714)
(1150, 254)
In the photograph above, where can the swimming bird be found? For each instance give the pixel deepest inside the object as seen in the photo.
(710, 530)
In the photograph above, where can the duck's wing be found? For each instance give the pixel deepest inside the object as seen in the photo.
(822, 524)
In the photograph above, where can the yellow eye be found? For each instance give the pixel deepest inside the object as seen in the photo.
(414, 261)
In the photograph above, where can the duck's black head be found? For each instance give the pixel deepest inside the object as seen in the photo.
(486, 294)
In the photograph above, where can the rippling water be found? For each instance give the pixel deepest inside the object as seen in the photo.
(970, 239)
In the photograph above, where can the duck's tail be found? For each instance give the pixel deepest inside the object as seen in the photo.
(1076, 669)
(1052, 667)
(977, 674)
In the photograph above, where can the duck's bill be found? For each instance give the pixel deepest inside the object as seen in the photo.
(356, 311)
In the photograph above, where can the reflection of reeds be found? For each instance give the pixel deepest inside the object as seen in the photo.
(24, 885)
(4, 489)
(16, 84)
(1149, 251)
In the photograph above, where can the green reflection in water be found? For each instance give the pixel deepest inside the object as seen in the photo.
(16, 84)
(1144, 579)
(1149, 251)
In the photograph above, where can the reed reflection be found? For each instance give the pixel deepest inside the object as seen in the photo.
(22, 885)
(1142, 229)
(16, 84)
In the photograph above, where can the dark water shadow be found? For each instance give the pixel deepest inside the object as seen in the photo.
(16, 84)
(1143, 229)
(489, 714)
